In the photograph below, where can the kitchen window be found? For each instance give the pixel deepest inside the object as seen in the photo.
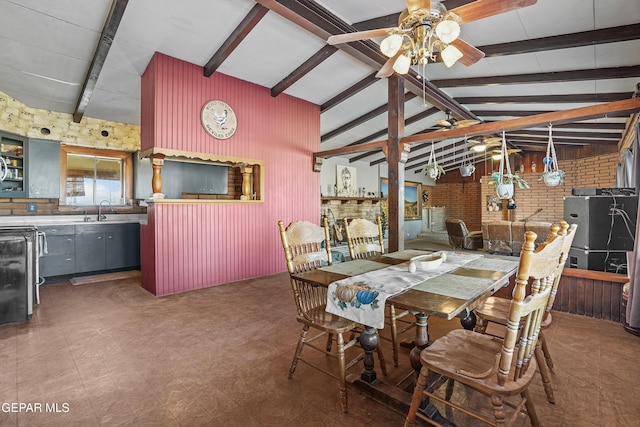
(90, 175)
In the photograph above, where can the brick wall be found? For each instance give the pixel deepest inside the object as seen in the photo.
(19, 206)
(351, 209)
(460, 199)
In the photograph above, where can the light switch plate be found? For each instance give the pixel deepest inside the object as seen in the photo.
(31, 207)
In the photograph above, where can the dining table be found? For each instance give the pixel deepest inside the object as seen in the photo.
(360, 289)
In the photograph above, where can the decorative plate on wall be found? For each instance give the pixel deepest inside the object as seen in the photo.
(218, 119)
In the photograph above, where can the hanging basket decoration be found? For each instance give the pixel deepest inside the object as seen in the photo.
(504, 180)
(466, 168)
(432, 169)
(552, 175)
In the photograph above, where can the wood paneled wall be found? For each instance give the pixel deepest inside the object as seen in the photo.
(193, 245)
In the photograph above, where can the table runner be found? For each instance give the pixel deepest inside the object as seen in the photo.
(362, 297)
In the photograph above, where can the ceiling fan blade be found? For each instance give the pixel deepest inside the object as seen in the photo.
(492, 141)
(470, 55)
(484, 8)
(474, 141)
(418, 4)
(444, 123)
(387, 68)
(359, 35)
(465, 123)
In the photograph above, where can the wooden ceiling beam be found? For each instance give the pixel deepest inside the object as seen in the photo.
(526, 113)
(319, 21)
(235, 38)
(588, 125)
(619, 108)
(518, 139)
(545, 99)
(416, 117)
(359, 120)
(564, 41)
(627, 106)
(556, 76)
(99, 57)
(349, 92)
(311, 63)
(568, 134)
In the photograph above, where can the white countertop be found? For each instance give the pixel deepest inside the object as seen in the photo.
(71, 219)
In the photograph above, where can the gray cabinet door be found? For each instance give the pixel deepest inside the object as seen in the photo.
(44, 169)
(123, 246)
(60, 256)
(90, 252)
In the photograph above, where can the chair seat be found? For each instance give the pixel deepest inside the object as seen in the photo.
(494, 309)
(466, 351)
(327, 322)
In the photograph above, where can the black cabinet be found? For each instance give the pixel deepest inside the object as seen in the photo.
(17, 272)
(60, 256)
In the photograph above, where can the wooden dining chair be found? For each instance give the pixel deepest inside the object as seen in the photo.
(496, 368)
(365, 240)
(496, 310)
(307, 247)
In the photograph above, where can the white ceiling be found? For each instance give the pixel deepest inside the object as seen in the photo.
(46, 48)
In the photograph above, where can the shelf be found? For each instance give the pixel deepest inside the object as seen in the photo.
(359, 200)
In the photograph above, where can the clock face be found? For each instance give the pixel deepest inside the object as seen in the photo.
(218, 119)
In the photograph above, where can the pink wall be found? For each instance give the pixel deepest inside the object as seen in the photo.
(191, 246)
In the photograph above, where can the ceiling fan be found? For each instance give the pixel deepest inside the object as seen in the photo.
(426, 30)
(479, 145)
(451, 122)
(509, 151)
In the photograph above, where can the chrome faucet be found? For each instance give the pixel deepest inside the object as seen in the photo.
(101, 216)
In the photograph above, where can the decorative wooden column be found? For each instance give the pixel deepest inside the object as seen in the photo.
(247, 179)
(396, 153)
(157, 161)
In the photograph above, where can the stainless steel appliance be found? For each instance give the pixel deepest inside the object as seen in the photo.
(18, 272)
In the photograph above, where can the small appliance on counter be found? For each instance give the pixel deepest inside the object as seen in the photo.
(18, 272)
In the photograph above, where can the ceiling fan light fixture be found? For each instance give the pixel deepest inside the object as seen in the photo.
(450, 55)
(391, 45)
(479, 148)
(402, 64)
(496, 156)
(447, 30)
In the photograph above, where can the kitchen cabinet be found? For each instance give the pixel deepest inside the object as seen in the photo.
(84, 248)
(60, 257)
(13, 150)
(122, 251)
(44, 169)
(91, 251)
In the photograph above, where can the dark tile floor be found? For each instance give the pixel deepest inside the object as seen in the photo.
(111, 354)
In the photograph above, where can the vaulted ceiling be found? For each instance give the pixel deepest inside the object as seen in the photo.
(554, 55)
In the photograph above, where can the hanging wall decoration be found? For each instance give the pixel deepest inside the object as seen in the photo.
(504, 179)
(552, 175)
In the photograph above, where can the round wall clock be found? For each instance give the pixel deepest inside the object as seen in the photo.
(218, 119)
